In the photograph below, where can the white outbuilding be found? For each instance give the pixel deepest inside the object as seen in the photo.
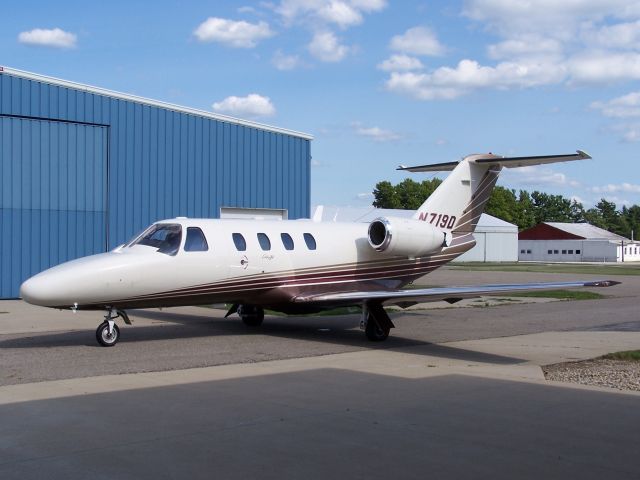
(496, 240)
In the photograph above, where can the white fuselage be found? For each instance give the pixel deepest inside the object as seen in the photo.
(142, 276)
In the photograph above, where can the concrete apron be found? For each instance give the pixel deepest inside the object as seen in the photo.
(516, 358)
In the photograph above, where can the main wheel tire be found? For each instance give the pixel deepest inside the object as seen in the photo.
(104, 338)
(251, 315)
(375, 332)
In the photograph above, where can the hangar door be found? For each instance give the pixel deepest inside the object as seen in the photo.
(53, 196)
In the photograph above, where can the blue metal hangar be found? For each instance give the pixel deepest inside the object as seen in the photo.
(82, 169)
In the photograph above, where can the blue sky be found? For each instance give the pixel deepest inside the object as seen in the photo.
(377, 82)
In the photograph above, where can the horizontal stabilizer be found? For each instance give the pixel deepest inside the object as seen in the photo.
(441, 293)
(507, 162)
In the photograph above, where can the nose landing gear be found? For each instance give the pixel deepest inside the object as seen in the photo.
(108, 333)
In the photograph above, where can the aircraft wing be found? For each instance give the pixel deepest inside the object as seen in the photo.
(449, 294)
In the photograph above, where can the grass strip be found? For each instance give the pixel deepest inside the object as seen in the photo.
(560, 294)
(589, 269)
(632, 355)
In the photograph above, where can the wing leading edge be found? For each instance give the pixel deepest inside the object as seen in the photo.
(441, 293)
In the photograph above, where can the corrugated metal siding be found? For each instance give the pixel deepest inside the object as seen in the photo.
(53, 202)
(163, 163)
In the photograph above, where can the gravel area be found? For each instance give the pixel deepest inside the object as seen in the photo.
(619, 374)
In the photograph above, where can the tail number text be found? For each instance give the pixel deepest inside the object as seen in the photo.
(438, 219)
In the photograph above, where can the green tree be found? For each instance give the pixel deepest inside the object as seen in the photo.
(525, 214)
(407, 194)
(385, 196)
(525, 210)
(502, 204)
(577, 211)
(410, 194)
(551, 208)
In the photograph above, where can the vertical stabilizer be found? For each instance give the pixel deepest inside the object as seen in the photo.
(456, 205)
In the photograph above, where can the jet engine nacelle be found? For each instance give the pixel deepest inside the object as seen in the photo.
(405, 237)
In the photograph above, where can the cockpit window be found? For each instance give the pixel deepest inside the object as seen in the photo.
(196, 241)
(163, 236)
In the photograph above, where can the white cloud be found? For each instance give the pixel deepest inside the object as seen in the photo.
(630, 132)
(621, 107)
(549, 16)
(248, 9)
(449, 83)
(325, 46)
(617, 188)
(417, 41)
(253, 105)
(239, 34)
(525, 46)
(364, 196)
(621, 35)
(343, 13)
(604, 67)
(376, 134)
(44, 37)
(285, 62)
(400, 63)
(540, 42)
(539, 176)
(340, 13)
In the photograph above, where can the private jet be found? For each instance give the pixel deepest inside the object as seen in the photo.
(292, 266)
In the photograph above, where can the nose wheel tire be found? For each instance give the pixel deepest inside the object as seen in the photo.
(251, 315)
(106, 338)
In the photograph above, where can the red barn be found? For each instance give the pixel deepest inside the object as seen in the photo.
(574, 242)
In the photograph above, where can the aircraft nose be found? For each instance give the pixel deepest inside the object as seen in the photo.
(39, 290)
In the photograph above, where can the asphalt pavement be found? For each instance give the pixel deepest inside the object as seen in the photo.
(453, 393)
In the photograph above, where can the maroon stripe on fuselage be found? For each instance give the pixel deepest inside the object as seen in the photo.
(317, 278)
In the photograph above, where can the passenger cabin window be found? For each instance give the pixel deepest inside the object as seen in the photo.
(165, 237)
(310, 241)
(196, 241)
(287, 241)
(240, 242)
(264, 242)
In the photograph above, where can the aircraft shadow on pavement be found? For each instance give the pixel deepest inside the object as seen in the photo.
(336, 330)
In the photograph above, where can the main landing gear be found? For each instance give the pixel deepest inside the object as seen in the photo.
(108, 333)
(251, 315)
(375, 322)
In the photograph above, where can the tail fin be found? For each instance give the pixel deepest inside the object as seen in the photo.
(456, 205)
